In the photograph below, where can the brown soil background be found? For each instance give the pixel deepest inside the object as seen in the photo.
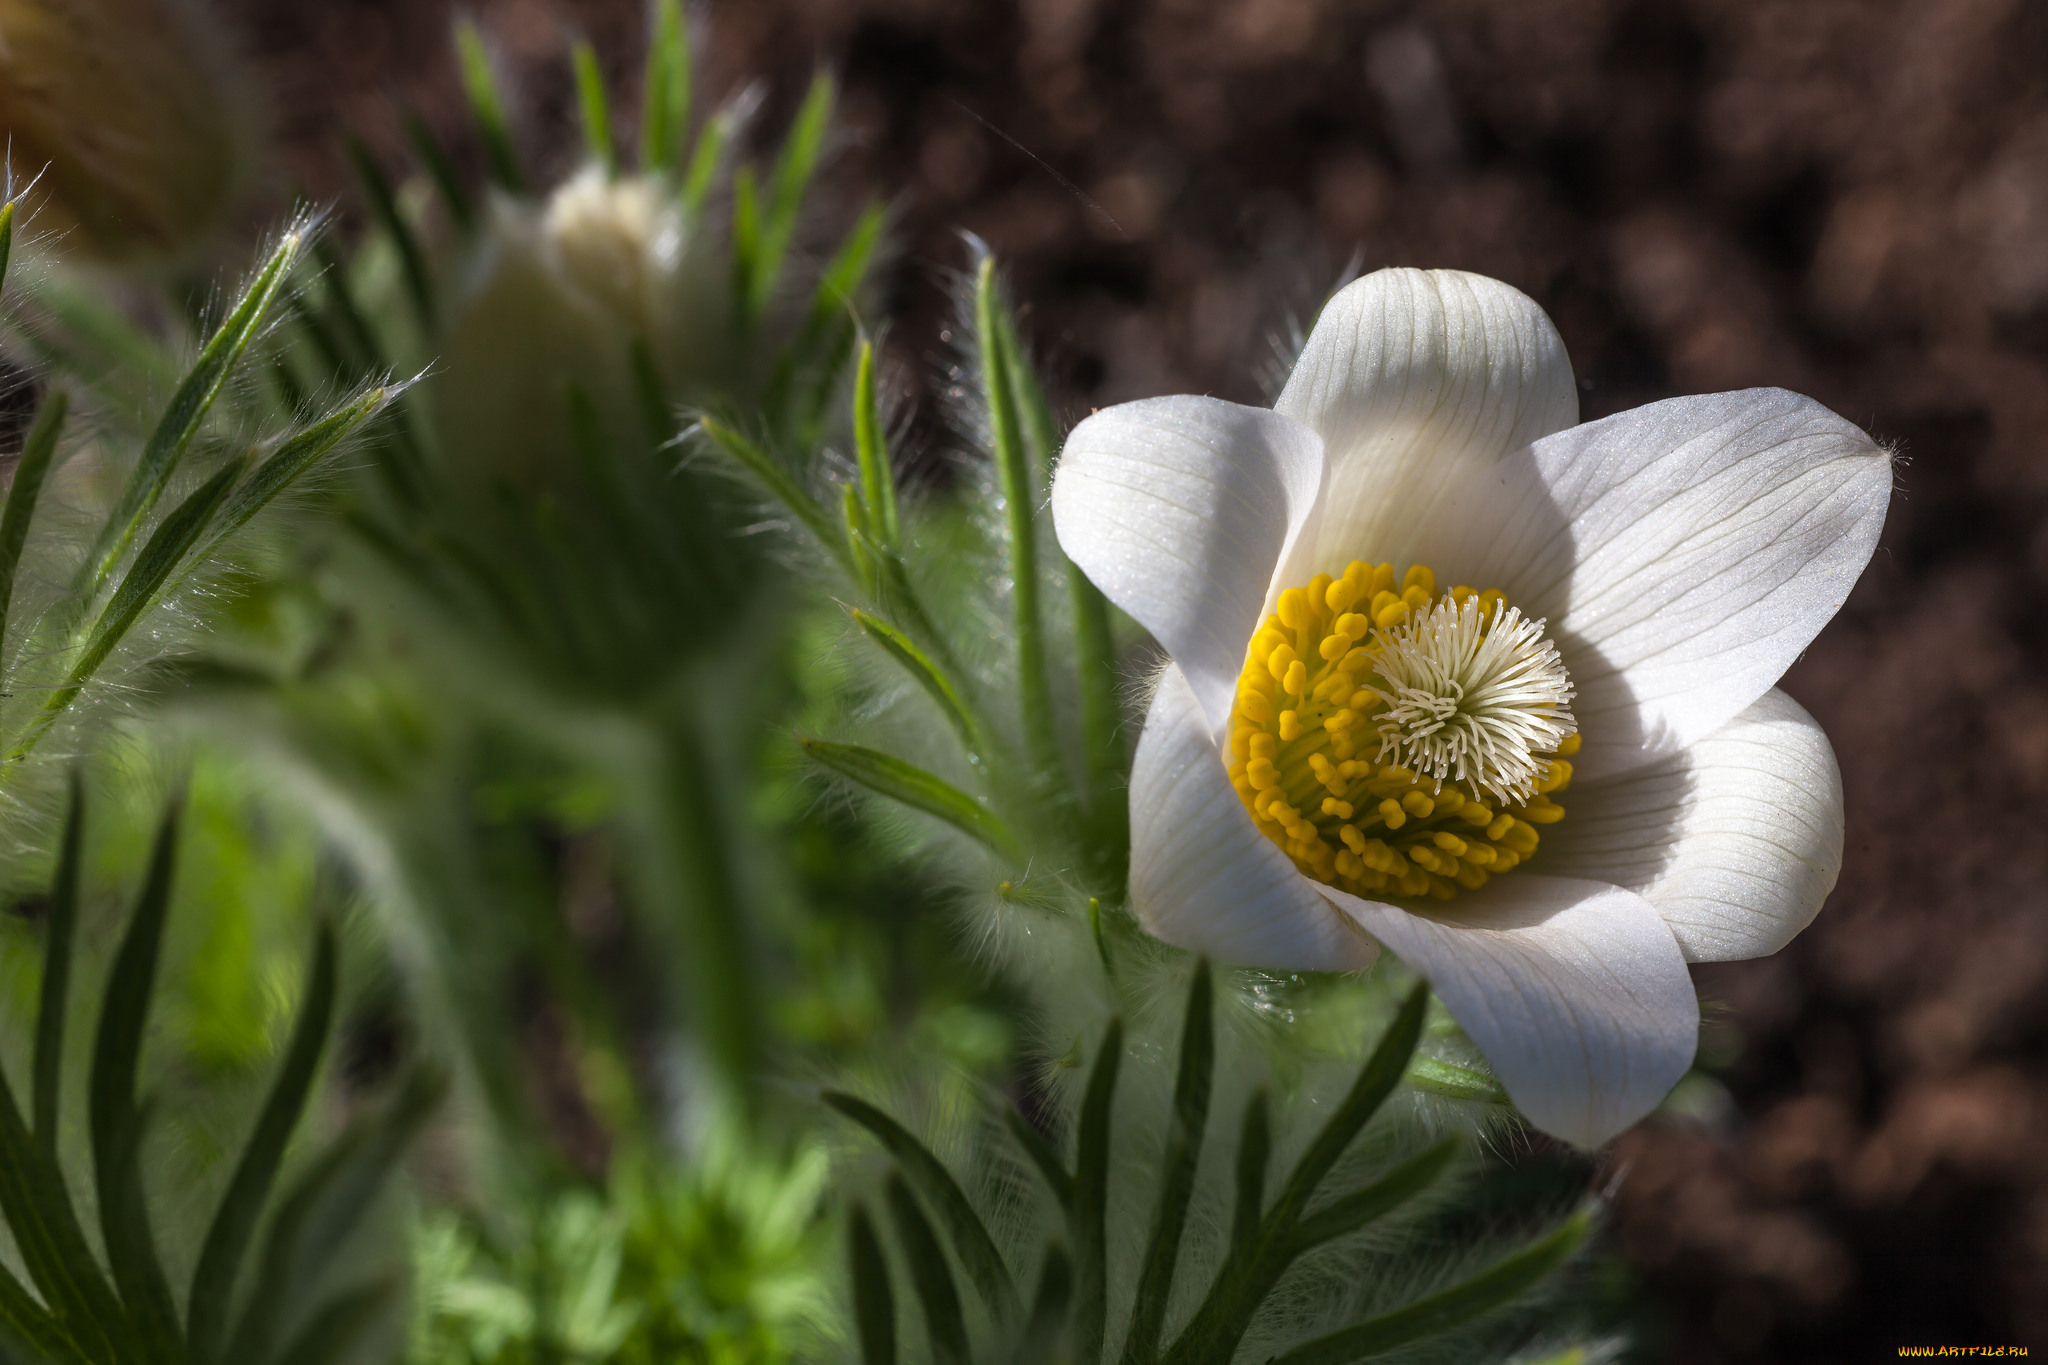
(1844, 197)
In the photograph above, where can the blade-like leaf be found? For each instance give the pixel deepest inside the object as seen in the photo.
(1091, 1199)
(419, 282)
(1057, 1178)
(665, 93)
(188, 408)
(1020, 503)
(441, 170)
(1448, 1310)
(50, 1010)
(1376, 1080)
(971, 1240)
(37, 1207)
(32, 1326)
(930, 1275)
(778, 482)
(38, 453)
(114, 1118)
(877, 479)
(1354, 1210)
(1177, 1169)
(298, 454)
(927, 674)
(1040, 1343)
(481, 85)
(596, 107)
(704, 163)
(336, 1330)
(220, 1261)
(1254, 1151)
(1455, 1082)
(6, 237)
(785, 190)
(914, 787)
(874, 1304)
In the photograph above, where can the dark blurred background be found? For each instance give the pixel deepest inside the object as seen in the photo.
(1844, 197)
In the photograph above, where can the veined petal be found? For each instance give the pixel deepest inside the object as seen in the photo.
(1684, 553)
(1737, 841)
(1179, 509)
(1418, 381)
(1574, 990)
(1202, 876)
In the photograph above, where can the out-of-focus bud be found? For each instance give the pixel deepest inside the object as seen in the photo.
(133, 112)
(605, 287)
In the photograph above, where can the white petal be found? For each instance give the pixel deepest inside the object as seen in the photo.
(1202, 876)
(1737, 841)
(1418, 380)
(1574, 990)
(1179, 509)
(1684, 553)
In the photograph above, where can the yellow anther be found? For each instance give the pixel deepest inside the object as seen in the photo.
(1419, 576)
(1480, 855)
(1340, 809)
(1543, 811)
(1340, 722)
(1264, 745)
(1361, 700)
(1353, 840)
(1418, 805)
(1341, 594)
(1290, 726)
(1294, 609)
(1473, 813)
(1334, 647)
(1492, 600)
(1500, 826)
(1391, 812)
(1470, 877)
(1256, 707)
(1265, 642)
(1520, 838)
(1558, 778)
(1352, 626)
(1463, 594)
(1570, 745)
(1261, 773)
(1449, 800)
(1391, 615)
(1416, 597)
(1449, 843)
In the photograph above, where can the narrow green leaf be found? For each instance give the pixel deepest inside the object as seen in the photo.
(1376, 1080)
(824, 342)
(785, 190)
(38, 454)
(596, 107)
(1020, 504)
(927, 674)
(1101, 935)
(6, 237)
(37, 1207)
(778, 482)
(37, 1337)
(299, 453)
(114, 1118)
(665, 93)
(481, 85)
(1057, 1178)
(971, 1241)
(1354, 1210)
(861, 546)
(874, 1303)
(1455, 1082)
(1254, 1153)
(146, 576)
(915, 787)
(188, 408)
(704, 163)
(930, 1275)
(336, 1330)
(50, 1011)
(220, 1261)
(877, 479)
(1177, 1168)
(1086, 1227)
(419, 282)
(1040, 1344)
(440, 170)
(1448, 1310)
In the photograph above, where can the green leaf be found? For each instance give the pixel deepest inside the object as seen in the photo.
(33, 1326)
(1020, 503)
(1042, 1154)
(1254, 1153)
(1091, 1199)
(1353, 1211)
(1376, 1080)
(146, 576)
(1448, 1310)
(37, 1207)
(785, 191)
(874, 1304)
(1455, 1082)
(188, 408)
(778, 482)
(704, 163)
(877, 479)
(899, 781)
(825, 340)
(6, 237)
(595, 106)
(50, 1010)
(971, 1241)
(213, 1282)
(38, 454)
(293, 458)
(1177, 1168)
(440, 170)
(481, 86)
(1040, 1343)
(927, 674)
(419, 283)
(116, 1121)
(930, 1275)
(665, 92)
(336, 1330)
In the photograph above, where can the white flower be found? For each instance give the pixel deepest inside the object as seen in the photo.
(1339, 758)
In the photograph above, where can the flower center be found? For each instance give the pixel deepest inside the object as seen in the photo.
(1409, 747)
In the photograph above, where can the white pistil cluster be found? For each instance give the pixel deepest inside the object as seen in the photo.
(1472, 696)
